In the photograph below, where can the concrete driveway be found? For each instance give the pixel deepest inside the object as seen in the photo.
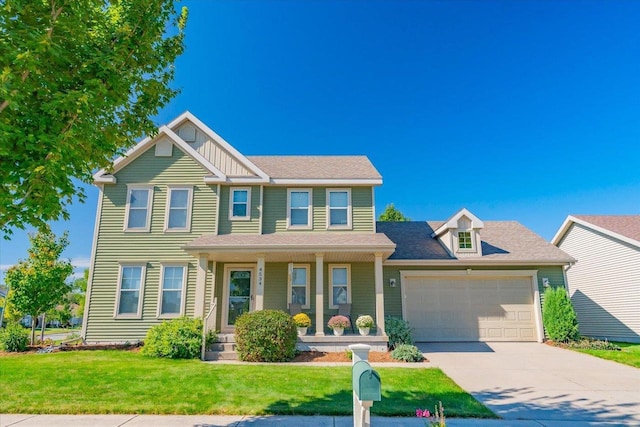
(532, 381)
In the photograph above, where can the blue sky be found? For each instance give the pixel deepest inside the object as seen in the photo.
(516, 110)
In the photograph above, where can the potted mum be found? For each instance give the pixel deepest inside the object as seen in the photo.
(364, 323)
(302, 321)
(338, 323)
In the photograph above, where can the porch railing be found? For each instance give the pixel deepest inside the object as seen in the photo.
(208, 325)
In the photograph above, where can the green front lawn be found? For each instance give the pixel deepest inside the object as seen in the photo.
(630, 354)
(100, 382)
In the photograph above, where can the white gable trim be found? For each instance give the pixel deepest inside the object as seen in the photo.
(453, 222)
(224, 144)
(572, 219)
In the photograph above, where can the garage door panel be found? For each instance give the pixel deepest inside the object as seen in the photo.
(470, 309)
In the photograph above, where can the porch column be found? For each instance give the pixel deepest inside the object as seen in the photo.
(213, 297)
(319, 294)
(379, 294)
(201, 280)
(259, 305)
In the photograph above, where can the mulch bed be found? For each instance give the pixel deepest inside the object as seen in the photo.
(319, 356)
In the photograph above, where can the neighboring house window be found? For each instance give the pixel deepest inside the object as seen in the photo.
(299, 208)
(339, 208)
(240, 203)
(178, 209)
(138, 213)
(130, 291)
(172, 290)
(299, 285)
(464, 240)
(339, 285)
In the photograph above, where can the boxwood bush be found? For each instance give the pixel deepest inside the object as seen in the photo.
(14, 338)
(179, 338)
(558, 316)
(266, 336)
(398, 331)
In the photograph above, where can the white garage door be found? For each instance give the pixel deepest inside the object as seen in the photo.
(470, 309)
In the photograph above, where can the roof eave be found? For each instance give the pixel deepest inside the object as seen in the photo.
(470, 262)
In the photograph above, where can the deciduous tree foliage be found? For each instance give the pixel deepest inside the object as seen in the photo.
(38, 283)
(79, 81)
(391, 214)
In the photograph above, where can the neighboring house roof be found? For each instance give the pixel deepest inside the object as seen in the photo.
(506, 242)
(317, 167)
(622, 227)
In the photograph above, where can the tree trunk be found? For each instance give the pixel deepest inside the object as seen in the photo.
(33, 329)
(44, 325)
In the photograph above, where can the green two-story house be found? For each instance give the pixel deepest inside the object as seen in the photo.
(187, 225)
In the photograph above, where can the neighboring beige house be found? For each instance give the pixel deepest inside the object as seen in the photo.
(604, 282)
(188, 225)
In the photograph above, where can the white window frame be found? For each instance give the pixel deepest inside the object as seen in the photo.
(349, 225)
(147, 226)
(143, 273)
(331, 268)
(185, 268)
(187, 226)
(471, 237)
(247, 217)
(307, 284)
(309, 225)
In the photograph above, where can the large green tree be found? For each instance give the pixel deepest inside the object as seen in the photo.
(391, 214)
(79, 82)
(38, 283)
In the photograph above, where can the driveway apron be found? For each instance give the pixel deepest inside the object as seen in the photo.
(532, 381)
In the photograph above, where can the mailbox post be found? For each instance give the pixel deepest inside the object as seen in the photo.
(366, 385)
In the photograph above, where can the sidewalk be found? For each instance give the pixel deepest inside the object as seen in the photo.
(19, 420)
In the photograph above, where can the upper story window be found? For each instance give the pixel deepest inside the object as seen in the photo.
(178, 217)
(240, 203)
(299, 211)
(138, 211)
(130, 290)
(338, 208)
(299, 285)
(172, 290)
(339, 285)
(464, 240)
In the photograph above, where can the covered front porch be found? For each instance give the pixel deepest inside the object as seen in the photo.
(319, 271)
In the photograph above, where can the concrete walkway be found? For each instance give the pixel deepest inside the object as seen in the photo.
(531, 381)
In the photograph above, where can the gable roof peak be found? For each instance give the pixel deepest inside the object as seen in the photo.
(621, 227)
(452, 222)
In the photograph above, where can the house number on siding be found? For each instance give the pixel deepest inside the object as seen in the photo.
(260, 277)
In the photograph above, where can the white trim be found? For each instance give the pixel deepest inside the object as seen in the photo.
(307, 285)
(330, 280)
(373, 210)
(471, 239)
(247, 217)
(217, 212)
(150, 194)
(143, 272)
(92, 266)
(567, 224)
(185, 269)
(187, 227)
(537, 307)
(260, 209)
(349, 224)
(452, 222)
(469, 262)
(309, 225)
(326, 181)
(228, 268)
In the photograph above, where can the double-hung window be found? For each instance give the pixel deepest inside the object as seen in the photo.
(339, 285)
(299, 285)
(240, 203)
(130, 291)
(299, 208)
(138, 211)
(172, 290)
(178, 217)
(464, 240)
(338, 208)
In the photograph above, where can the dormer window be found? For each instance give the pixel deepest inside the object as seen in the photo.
(464, 240)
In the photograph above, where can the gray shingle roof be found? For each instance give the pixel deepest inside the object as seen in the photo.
(625, 225)
(316, 167)
(507, 241)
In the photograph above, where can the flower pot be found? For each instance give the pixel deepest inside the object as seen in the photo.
(338, 331)
(302, 331)
(364, 331)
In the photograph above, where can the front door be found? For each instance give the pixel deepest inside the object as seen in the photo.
(239, 295)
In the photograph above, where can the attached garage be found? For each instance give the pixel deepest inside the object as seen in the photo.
(472, 305)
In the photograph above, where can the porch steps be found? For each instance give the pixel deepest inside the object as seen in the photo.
(223, 349)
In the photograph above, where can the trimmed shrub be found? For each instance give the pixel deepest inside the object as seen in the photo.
(398, 331)
(558, 316)
(266, 336)
(179, 338)
(407, 353)
(14, 338)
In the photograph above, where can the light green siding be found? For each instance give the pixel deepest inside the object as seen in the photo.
(114, 246)
(362, 201)
(228, 226)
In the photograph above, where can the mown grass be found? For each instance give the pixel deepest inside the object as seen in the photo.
(107, 382)
(629, 355)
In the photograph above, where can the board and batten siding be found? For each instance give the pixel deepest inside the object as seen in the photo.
(604, 284)
(275, 209)
(115, 246)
